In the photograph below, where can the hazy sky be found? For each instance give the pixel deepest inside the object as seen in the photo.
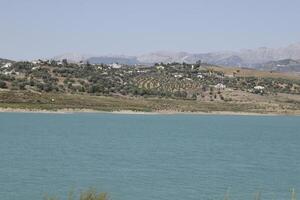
(45, 28)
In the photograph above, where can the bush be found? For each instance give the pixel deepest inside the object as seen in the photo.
(90, 194)
(180, 94)
(3, 84)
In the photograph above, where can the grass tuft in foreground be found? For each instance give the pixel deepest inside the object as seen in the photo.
(90, 194)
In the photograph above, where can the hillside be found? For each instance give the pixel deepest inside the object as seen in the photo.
(286, 65)
(4, 61)
(180, 87)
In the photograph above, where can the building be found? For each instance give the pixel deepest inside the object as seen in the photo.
(199, 76)
(178, 75)
(7, 65)
(115, 65)
(160, 67)
(220, 86)
(259, 87)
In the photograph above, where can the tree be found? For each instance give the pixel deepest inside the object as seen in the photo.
(65, 62)
(3, 84)
(194, 96)
(88, 64)
(53, 63)
(180, 94)
(198, 64)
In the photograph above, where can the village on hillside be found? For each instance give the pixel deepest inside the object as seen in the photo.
(199, 81)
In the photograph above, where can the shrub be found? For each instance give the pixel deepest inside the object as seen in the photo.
(90, 194)
(3, 84)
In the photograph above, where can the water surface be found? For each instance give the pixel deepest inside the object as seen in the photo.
(146, 157)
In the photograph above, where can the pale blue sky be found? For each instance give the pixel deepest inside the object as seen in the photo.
(45, 28)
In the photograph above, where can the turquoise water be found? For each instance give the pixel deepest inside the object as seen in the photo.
(138, 157)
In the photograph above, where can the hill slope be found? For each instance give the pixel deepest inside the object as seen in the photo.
(286, 65)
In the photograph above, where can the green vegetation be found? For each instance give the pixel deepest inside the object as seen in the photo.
(165, 80)
(53, 85)
(57, 101)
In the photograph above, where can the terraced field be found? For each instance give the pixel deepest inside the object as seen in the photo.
(167, 84)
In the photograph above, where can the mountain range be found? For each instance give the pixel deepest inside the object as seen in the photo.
(244, 58)
(272, 59)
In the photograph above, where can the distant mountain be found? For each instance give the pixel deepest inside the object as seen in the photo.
(286, 65)
(231, 61)
(243, 58)
(72, 57)
(247, 58)
(127, 60)
(164, 56)
(265, 54)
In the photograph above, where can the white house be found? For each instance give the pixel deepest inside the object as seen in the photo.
(35, 62)
(229, 75)
(142, 71)
(59, 62)
(10, 72)
(160, 67)
(220, 86)
(259, 87)
(35, 68)
(7, 65)
(199, 76)
(115, 65)
(178, 75)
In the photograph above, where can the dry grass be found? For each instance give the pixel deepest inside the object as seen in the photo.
(90, 194)
(235, 101)
(245, 72)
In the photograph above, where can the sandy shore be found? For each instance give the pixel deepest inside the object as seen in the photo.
(130, 112)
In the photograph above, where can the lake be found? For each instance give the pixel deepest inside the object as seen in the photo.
(146, 157)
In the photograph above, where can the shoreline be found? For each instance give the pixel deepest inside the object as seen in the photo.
(130, 112)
